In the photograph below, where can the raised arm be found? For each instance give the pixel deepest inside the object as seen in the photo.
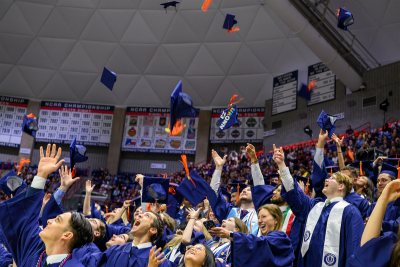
(121, 211)
(256, 173)
(374, 225)
(187, 234)
(216, 177)
(87, 202)
(319, 171)
(339, 143)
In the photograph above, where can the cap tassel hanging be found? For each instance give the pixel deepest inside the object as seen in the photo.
(22, 162)
(184, 162)
(361, 173)
(233, 97)
(331, 171)
(311, 85)
(206, 4)
(171, 190)
(73, 173)
(178, 127)
(308, 183)
(233, 29)
(238, 193)
(127, 211)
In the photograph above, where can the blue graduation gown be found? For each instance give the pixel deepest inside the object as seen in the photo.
(173, 253)
(121, 223)
(318, 180)
(119, 256)
(96, 214)
(273, 249)
(351, 229)
(19, 222)
(391, 214)
(221, 251)
(5, 257)
(79, 253)
(376, 252)
(390, 226)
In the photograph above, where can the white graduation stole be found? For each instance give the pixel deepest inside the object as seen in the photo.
(251, 219)
(286, 222)
(330, 255)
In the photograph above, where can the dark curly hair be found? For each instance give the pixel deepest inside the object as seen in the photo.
(81, 229)
(159, 225)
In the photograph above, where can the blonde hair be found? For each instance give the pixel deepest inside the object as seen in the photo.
(168, 221)
(275, 212)
(346, 181)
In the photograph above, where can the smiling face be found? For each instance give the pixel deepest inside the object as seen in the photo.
(229, 225)
(56, 229)
(117, 240)
(383, 180)
(246, 195)
(266, 222)
(276, 198)
(195, 255)
(138, 211)
(332, 187)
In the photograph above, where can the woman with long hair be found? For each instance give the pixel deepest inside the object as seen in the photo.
(365, 188)
(198, 256)
(273, 248)
(377, 250)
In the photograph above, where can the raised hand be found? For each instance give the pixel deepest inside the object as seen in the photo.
(279, 156)
(66, 178)
(219, 162)
(127, 203)
(139, 179)
(219, 231)
(194, 214)
(391, 191)
(301, 185)
(379, 160)
(48, 163)
(250, 149)
(46, 199)
(89, 187)
(154, 260)
(206, 204)
(323, 135)
(338, 141)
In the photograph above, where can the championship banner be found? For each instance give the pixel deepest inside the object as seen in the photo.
(250, 130)
(12, 111)
(145, 132)
(60, 122)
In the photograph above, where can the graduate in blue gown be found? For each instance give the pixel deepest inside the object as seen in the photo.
(272, 248)
(318, 245)
(5, 257)
(27, 243)
(377, 250)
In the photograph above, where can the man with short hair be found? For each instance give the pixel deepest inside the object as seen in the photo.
(333, 228)
(120, 240)
(19, 221)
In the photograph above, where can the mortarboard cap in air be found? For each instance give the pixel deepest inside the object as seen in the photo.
(108, 78)
(345, 18)
(181, 107)
(327, 123)
(12, 184)
(389, 169)
(168, 4)
(228, 118)
(30, 124)
(229, 23)
(77, 153)
(305, 90)
(365, 166)
(195, 191)
(155, 189)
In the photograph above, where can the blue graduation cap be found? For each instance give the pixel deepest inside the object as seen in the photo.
(12, 184)
(327, 123)
(181, 106)
(108, 78)
(304, 180)
(77, 153)
(228, 118)
(155, 189)
(267, 181)
(226, 193)
(195, 191)
(305, 90)
(365, 168)
(237, 184)
(389, 169)
(332, 169)
(229, 22)
(30, 125)
(345, 18)
(137, 201)
(168, 4)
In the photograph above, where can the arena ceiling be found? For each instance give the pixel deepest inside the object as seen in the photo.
(56, 49)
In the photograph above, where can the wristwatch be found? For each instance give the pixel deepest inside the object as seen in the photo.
(231, 236)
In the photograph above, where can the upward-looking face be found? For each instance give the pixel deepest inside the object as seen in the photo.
(229, 224)
(195, 255)
(142, 225)
(383, 180)
(55, 229)
(266, 222)
(95, 223)
(138, 211)
(117, 240)
(332, 186)
(246, 195)
(348, 173)
(361, 181)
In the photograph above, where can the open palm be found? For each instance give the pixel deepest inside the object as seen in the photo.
(217, 159)
(66, 178)
(49, 163)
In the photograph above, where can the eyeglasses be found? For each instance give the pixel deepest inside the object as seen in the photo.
(198, 248)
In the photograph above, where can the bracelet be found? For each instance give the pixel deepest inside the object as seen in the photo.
(254, 162)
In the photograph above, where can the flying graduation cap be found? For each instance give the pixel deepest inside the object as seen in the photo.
(108, 78)
(345, 18)
(228, 117)
(308, 131)
(77, 154)
(156, 190)
(229, 23)
(327, 123)
(168, 4)
(12, 184)
(181, 107)
(30, 125)
(305, 90)
(195, 188)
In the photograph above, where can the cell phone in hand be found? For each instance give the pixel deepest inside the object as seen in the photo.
(209, 224)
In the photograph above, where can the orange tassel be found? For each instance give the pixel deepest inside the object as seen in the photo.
(184, 162)
(361, 173)
(30, 116)
(351, 155)
(148, 207)
(128, 213)
(311, 85)
(238, 193)
(331, 171)
(233, 97)
(338, 12)
(171, 190)
(206, 4)
(178, 127)
(22, 162)
(308, 183)
(233, 29)
(73, 172)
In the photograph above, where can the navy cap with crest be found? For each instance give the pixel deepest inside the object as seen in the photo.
(366, 168)
(229, 22)
(108, 78)
(12, 184)
(196, 192)
(345, 19)
(155, 189)
(77, 153)
(30, 125)
(228, 118)
(389, 169)
(181, 106)
(169, 3)
(327, 123)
